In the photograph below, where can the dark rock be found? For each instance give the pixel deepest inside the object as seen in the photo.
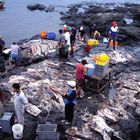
(41, 7)
(97, 9)
(73, 10)
(32, 7)
(120, 9)
(134, 9)
(131, 32)
(37, 6)
(136, 16)
(136, 23)
(50, 8)
(130, 4)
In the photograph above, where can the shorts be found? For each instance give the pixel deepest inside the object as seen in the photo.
(14, 57)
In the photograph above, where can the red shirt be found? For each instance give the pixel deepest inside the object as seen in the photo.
(80, 71)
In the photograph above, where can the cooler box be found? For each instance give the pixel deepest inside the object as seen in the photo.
(47, 132)
(7, 121)
(100, 70)
(111, 43)
(51, 35)
(43, 35)
(92, 42)
(90, 69)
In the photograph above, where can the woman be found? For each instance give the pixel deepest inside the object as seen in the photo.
(69, 100)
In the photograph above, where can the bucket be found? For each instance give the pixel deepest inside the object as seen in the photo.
(17, 131)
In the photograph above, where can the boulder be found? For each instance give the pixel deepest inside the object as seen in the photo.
(97, 9)
(37, 6)
(131, 32)
(50, 8)
(41, 7)
(73, 10)
(120, 9)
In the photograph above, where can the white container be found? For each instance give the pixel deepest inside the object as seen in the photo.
(17, 131)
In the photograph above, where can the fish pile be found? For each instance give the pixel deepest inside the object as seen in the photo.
(116, 118)
(44, 82)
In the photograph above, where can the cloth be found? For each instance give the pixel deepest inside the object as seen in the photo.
(19, 101)
(113, 31)
(80, 70)
(70, 97)
(67, 38)
(69, 112)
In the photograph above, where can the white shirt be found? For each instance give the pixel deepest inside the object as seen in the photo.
(20, 100)
(114, 29)
(67, 37)
(14, 49)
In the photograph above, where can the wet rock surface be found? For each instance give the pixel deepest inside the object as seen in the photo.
(112, 114)
(41, 7)
(103, 15)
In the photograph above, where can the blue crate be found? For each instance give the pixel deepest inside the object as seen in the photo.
(6, 122)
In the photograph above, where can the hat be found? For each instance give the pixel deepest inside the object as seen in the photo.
(81, 28)
(71, 83)
(65, 26)
(114, 23)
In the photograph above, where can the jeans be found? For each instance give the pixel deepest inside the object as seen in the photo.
(114, 41)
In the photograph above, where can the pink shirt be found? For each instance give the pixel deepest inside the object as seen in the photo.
(80, 71)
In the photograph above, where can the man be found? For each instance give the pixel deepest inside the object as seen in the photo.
(14, 54)
(80, 72)
(72, 38)
(19, 103)
(2, 44)
(69, 100)
(82, 33)
(113, 33)
(96, 35)
(14, 51)
(67, 39)
(61, 44)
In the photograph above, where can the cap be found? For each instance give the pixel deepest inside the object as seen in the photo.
(114, 23)
(64, 29)
(65, 25)
(71, 83)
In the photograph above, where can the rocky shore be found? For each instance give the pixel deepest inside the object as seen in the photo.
(127, 15)
(113, 114)
(117, 108)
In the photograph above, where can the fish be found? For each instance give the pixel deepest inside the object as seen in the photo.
(108, 114)
(98, 124)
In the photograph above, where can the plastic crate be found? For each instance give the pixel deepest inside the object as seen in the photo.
(47, 132)
(6, 122)
(100, 70)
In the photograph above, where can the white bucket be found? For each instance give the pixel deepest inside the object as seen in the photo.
(17, 131)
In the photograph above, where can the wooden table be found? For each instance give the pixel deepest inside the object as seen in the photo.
(96, 83)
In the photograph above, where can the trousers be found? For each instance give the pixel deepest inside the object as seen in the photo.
(69, 111)
(20, 115)
(114, 40)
